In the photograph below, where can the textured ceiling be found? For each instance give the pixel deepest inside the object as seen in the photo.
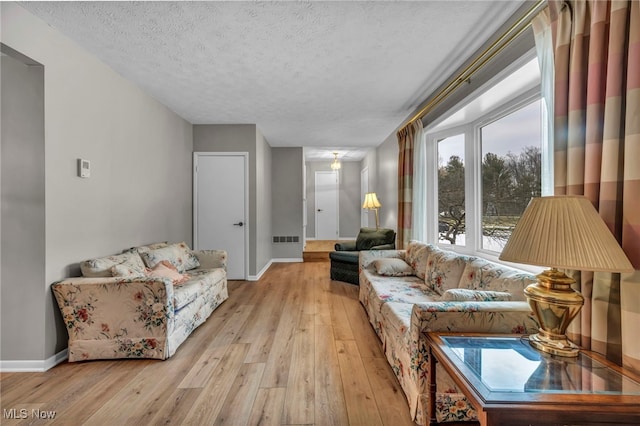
(317, 74)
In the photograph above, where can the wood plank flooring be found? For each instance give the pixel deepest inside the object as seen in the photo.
(294, 348)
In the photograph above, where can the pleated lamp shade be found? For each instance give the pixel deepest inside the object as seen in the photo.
(565, 232)
(371, 201)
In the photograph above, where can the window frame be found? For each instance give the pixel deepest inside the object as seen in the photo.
(473, 162)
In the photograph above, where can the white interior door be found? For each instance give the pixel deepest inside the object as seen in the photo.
(221, 206)
(364, 188)
(326, 205)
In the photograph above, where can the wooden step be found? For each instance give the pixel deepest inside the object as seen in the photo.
(315, 256)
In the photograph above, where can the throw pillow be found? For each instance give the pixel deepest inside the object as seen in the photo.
(165, 269)
(101, 267)
(465, 295)
(178, 254)
(130, 268)
(392, 267)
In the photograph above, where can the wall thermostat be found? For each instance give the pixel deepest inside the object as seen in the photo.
(84, 168)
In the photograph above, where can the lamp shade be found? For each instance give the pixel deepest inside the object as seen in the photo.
(371, 201)
(565, 232)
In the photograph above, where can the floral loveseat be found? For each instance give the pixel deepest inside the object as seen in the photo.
(410, 292)
(142, 303)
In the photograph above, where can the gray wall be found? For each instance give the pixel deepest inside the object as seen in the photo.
(141, 176)
(23, 209)
(263, 202)
(287, 181)
(349, 197)
(370, 161)
(387, 182)
(246, 138)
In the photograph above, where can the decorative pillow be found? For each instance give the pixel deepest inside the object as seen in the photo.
(101, 267)
(444, 269)
(165, 269)
(143, 249)
(178, 254)
(392, 267)
(132, 267)
(465, 295)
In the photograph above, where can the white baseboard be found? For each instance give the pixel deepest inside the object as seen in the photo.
(272, 261)
(33, 366)
(261, 273)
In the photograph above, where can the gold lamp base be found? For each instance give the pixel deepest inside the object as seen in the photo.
(555, 304)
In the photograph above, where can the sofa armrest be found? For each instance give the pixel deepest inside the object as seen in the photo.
(390, 246)
(116, 317)
(211, 259)
(368, 256)
(346, 246)
(479, 317)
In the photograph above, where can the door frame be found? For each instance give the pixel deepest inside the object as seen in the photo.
(245, 155)
(364, 189)
(315, 196)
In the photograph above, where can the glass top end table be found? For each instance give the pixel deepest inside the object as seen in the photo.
(510, 382)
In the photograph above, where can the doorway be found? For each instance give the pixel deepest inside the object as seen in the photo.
(220, 207)
(326, 200)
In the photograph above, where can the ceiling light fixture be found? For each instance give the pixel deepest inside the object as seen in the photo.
(335, 165)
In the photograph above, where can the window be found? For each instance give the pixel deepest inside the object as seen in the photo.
(451, 196)
(484, 161)
(511, 172)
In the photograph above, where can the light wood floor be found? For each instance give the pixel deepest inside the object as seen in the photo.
(294, 348)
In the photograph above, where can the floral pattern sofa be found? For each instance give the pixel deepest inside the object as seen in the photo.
(142, 303)
(421, 289)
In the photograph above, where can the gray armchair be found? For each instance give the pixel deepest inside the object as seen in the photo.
(344, 261)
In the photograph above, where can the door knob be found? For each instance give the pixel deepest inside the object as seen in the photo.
(238, 224)
(319, 210)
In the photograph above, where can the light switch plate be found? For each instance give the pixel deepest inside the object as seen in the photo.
(84, 168)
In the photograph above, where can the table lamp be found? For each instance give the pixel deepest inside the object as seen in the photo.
(561, 232)
(371, 202)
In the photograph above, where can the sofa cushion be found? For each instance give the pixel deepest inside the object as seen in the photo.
(444, 270)
(392, 267)
(480, 274)
(178, 254)
(467, 295)
(196, 284)
(416, 256)
(397, 321)
(101, 267)
(409, 289)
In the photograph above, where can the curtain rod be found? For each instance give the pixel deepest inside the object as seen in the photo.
(488, 54)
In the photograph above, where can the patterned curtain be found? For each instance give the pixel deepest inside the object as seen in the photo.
(597, 154)
(406, 142)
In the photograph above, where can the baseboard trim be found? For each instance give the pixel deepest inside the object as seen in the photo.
(33, 366)
(288, 260)
(271, 262)
(261, 273)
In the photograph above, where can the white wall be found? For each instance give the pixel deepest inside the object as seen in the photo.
(140, 153)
